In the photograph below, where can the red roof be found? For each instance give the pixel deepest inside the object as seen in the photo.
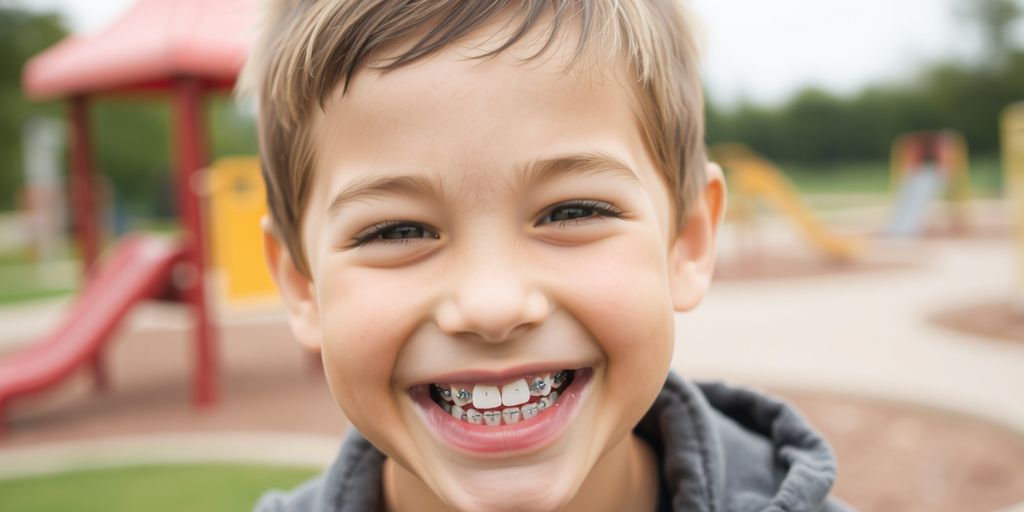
(154, 42)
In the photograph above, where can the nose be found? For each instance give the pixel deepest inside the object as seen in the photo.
(491, 299)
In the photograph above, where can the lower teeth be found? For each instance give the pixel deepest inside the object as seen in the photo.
(505, 415)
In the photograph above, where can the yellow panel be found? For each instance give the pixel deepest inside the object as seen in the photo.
(237, 203)
(753, 176)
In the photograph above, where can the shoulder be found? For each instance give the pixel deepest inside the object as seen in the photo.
(303, 497)
(351, 484)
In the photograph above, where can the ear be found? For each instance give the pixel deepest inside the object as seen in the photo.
(692, 255)
(296, 290)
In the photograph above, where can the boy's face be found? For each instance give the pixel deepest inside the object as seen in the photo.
(477, 222)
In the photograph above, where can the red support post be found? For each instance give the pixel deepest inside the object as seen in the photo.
(83, 189)
(83, 199)
(188, 112)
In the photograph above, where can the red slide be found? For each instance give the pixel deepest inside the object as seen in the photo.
(138, 268)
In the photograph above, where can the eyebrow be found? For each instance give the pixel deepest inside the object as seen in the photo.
(539, 171)
(362, 189)
(580, 164)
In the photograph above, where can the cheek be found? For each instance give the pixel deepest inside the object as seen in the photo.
(620, 294)
(365, 321)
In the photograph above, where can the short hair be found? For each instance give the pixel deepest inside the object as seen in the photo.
(308, 47)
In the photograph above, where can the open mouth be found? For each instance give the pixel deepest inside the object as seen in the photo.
(520, 413)
(509, 403)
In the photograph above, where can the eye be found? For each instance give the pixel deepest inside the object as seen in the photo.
(577, 211)
(394, 232)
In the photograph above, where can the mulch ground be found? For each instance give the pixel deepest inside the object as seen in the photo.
(996, 320)
(892, 457)
(775, 266)
(898, 457)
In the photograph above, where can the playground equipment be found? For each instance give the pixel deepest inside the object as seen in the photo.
(1013, 169)
(752, 177)
(182, 48)
(139, 268)
(237, 202)
(925, 166)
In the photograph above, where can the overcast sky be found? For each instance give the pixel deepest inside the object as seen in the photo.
(765, 50)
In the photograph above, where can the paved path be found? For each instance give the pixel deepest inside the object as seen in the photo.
(868, 333)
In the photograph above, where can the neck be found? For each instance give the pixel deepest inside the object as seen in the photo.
(626, 478)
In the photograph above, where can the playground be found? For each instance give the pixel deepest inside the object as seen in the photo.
(877, 372)
(891, 316)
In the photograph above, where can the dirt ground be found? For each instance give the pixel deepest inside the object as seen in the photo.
(993, 320)
(892, 457)
(897, 457)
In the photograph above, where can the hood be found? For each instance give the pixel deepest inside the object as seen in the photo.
(731, 449)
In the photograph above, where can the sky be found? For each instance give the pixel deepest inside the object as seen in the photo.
(765, 50)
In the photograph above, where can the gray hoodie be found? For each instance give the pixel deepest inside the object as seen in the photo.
(720, 449)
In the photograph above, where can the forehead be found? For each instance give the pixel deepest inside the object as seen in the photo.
(469, 123)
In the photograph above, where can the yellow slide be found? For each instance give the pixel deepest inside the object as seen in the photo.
(753, 176)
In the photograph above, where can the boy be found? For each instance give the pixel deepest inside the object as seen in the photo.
(484, 215)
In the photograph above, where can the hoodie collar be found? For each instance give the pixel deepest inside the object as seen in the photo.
(724, 449)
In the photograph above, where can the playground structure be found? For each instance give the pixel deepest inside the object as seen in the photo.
(1013, 169)
(199, 49)
(237, 203)
(924, 167)
(752, 178)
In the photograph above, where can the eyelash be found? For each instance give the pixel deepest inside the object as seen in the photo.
(600, 209)
(374, 233)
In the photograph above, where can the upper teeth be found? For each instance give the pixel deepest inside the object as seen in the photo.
(515, 393)
(492, 405)
(540, 385)
(488, 396)
(461, 396)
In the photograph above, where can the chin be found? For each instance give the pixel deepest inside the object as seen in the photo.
(512, 490)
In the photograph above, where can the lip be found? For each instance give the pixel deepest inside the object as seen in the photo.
(534, 434)
(498, 377)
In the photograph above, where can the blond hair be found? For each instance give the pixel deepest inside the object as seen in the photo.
(309, 47)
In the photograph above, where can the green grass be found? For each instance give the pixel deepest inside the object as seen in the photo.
(194, 488)
(16, 294)
(20, 280)
(843, 178)
(872, 177)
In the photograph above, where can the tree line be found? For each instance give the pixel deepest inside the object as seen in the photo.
(818, 127)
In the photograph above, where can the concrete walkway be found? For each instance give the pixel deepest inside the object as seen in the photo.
(867, 333)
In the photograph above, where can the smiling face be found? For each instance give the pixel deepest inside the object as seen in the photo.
(482, 225)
